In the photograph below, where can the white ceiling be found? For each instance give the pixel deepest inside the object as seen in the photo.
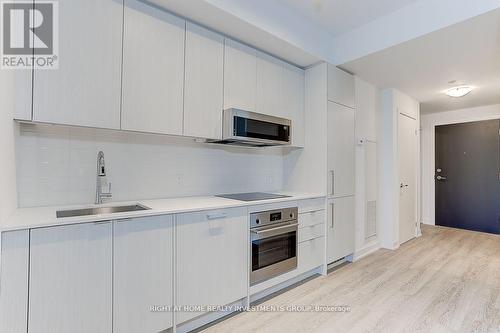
(341, 16)
(468, 52)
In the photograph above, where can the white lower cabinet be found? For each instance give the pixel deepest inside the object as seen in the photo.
(311, 250)
(70, 288)
(340, 228)
(212, 259)
(143, 274)
(311, 254)
(14, 281)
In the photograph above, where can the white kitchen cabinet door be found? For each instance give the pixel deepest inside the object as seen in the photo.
(70, 286)
(14, 281)
(22, 95)
(204, 83)
(340, 228)
(311, 254)
(270, 73)
(212, 258)
(153, 70)
(293, 102)
(143, 274)
(18, 84)
(240, 76)
(341, 88)
(85, 90)
(341, 150)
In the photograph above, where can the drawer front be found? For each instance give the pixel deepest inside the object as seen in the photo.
(311, 218)
(310, 205)
(311, 254)
(311, 232)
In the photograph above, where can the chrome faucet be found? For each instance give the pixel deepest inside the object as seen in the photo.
(103, 188)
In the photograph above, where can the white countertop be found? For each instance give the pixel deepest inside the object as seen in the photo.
(36, 217)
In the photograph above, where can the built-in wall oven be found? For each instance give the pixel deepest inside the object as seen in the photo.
(273, 236)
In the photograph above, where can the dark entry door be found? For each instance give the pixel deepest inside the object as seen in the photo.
(467, 176)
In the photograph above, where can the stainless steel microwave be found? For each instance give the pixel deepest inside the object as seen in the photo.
(245, 128)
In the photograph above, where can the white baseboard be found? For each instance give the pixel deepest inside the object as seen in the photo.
(366, 250)
(207, 318)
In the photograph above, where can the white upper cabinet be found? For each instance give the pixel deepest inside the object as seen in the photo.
(70, 284)
(85, 90)
(270, 86)
(240, 76)
(22, 94)
(143, 274)
(212, 258)
(21, 85)
(293, 91)
(341, 87)
(341, 150)
(204, 83)
(153, 69)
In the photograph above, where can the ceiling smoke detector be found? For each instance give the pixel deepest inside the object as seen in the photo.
(459, 91)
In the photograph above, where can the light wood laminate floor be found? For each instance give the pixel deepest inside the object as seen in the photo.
(448, 280)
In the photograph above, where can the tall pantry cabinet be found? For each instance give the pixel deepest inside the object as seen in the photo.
(340, 164)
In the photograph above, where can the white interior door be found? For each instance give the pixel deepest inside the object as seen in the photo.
(407, 176)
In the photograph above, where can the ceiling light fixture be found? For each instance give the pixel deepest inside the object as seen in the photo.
(459, 91)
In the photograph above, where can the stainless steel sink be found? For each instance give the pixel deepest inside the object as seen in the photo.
(100, 210)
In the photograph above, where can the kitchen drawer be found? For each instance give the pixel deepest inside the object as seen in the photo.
(310, 205)
(311, 254)
(311, 232)
(311, 218)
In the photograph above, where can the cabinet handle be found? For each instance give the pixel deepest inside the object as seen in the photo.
(333, 215)
(333, 182)
(216, 216)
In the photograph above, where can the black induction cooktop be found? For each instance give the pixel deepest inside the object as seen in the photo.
(254, 196)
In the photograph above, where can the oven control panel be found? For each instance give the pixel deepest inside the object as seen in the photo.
(273, 216)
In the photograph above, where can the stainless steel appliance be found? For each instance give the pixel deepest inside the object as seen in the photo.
(245, 128)
(253, 196)
(273, 236)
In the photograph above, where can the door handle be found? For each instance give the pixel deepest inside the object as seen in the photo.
(333, 215)
(441, 178)
(401, 185)
(333, 182)
(216, 216)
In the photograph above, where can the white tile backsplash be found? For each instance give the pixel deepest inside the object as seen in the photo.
(56, 165)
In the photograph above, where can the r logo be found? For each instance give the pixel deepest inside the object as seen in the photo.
(28, 30)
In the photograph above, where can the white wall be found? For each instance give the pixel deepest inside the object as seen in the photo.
(7, 156)
(428, 124)
(392, 102)
(57, 166)
(366, 165)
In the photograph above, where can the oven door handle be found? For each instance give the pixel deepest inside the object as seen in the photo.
(275, 231)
